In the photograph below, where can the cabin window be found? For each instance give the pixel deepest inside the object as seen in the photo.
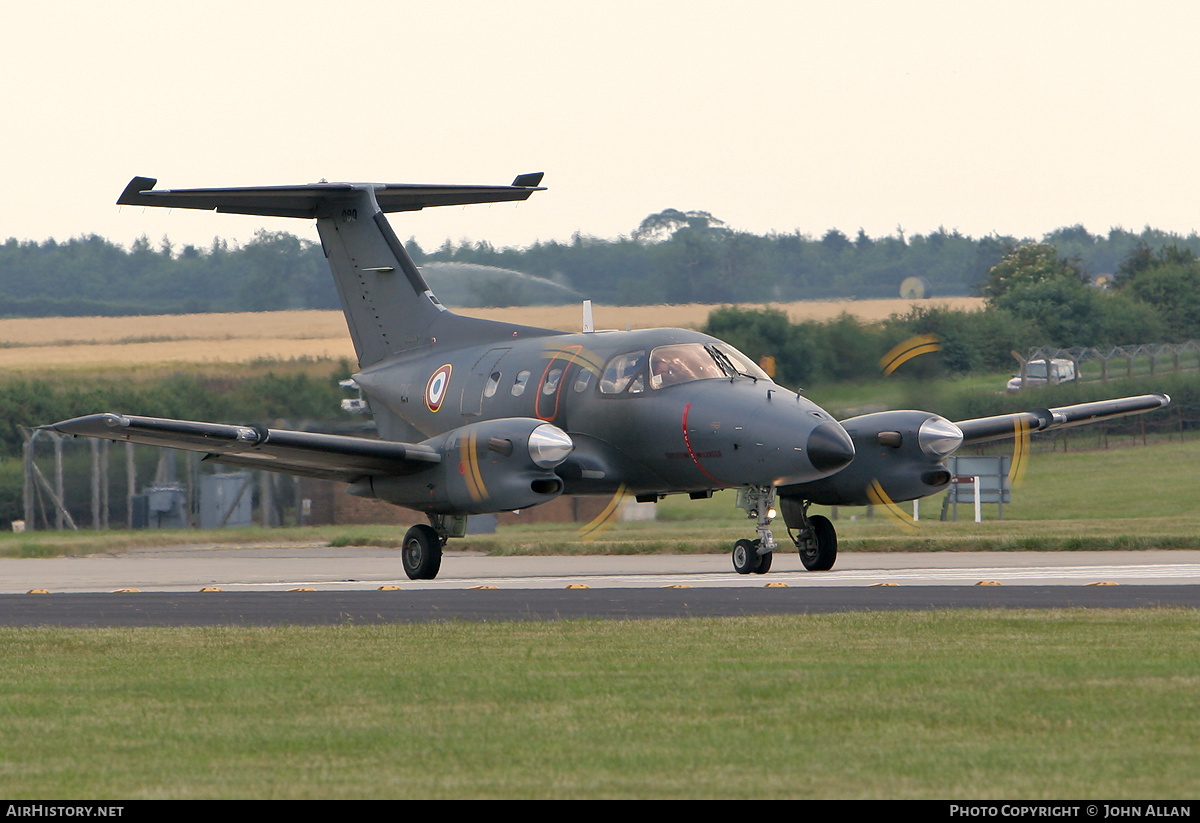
(583, 380)
(682, 363)
(625, 371)
(551, 384)
(518, 388)
(492, 384)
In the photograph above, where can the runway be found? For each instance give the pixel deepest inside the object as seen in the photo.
(265, 585)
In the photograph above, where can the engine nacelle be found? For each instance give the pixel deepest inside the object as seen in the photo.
(901, 453)
(490, 466)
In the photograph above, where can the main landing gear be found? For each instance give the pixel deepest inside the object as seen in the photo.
(816, 542)
(422, 553)
(422, 549)
(815, 537)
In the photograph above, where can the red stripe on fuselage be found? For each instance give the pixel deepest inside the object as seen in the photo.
(687, 441)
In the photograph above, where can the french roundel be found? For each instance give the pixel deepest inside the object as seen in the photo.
(435, 389)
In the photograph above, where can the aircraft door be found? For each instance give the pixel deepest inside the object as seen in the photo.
(477, 381)
(550, 388)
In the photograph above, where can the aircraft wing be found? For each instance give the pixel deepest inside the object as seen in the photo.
(998, 427)
(327, 456)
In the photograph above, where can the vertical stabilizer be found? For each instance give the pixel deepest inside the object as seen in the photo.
(389, 308)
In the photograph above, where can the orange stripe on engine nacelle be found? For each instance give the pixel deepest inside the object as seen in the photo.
(469, 467)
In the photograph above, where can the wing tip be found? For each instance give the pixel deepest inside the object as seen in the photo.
(529, 181)
(131, 196)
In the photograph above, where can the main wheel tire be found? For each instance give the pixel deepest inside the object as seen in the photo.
(746, 558)
(421, 553)
(764, 562)
(821, 550)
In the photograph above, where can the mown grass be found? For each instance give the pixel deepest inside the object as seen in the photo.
(979, 705)
(877, 535)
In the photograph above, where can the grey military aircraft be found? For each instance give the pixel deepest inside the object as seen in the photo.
(478, 416)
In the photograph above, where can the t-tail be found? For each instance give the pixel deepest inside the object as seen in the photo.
(389, 307)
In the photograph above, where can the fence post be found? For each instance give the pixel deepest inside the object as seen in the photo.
(130, 483)
(94, 447)
(27, 469)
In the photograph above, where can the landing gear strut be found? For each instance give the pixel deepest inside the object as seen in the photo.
(754, 556)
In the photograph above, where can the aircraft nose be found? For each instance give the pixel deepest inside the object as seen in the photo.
(829, 447)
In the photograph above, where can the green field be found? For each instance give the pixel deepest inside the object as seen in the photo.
(967, 705)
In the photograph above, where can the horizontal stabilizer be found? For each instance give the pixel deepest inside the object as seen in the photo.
(307, 200)
(330, 456)
(984, 429)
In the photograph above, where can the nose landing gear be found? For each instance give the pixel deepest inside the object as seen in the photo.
(754, 556)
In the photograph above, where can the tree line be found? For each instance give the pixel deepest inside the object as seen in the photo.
(1035, 296)
(672, 257)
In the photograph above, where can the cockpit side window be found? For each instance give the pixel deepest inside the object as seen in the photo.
(624, 371)
(682, 363)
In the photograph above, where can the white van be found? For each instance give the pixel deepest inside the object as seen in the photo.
(1041, 372)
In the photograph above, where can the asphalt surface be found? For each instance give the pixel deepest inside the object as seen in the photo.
(266, 586)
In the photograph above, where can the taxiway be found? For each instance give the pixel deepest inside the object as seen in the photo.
(295, 584)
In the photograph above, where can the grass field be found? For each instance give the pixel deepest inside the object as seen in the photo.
(52, 342)
(966, 705)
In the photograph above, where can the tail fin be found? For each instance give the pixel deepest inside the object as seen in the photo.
(388, 306)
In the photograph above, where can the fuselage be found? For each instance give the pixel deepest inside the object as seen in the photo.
(652, 411)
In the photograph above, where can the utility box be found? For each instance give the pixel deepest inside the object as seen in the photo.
(226, 500)
(166, 506)
(994, 486)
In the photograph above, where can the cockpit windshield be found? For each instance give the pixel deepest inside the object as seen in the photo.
(685, 362)
(676, 363)
(743, 364)
(682, 363)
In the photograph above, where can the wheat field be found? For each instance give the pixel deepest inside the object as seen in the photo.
(34, 344)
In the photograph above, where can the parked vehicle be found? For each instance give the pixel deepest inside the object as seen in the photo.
(1040, 372)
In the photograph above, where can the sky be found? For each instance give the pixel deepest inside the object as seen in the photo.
(1008, 117)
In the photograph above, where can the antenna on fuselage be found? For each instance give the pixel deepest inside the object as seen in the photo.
(589, 325)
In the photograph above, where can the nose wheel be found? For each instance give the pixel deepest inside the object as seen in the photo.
(754, 556)
(747, 560)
